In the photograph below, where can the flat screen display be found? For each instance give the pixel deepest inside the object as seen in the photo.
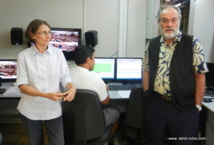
(210, 75)
(66, 39)
(129, 69)
(105, 68)
(8, 69)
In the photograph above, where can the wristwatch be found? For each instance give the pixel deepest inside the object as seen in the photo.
(199, 107)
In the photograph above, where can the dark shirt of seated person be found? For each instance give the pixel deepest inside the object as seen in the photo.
(84, 78)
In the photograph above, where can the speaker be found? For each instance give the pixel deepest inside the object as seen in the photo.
(16, 36)
(91, 38)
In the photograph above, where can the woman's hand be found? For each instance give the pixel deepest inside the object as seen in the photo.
(69, 95)
(55, 96)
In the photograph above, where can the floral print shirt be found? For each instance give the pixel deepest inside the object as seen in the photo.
(162, 83)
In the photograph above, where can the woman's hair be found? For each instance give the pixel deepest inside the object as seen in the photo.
(32, 28)
(81, 54)
(168, 6)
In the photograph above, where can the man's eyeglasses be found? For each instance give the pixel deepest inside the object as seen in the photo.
(45, 33)
(166, 21)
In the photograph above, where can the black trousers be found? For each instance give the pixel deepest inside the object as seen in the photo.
(34, 129)
(168, 125)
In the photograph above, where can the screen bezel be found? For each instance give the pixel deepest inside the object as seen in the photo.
(128, 80)
(69, 55)
(210, 75)
(108, 79)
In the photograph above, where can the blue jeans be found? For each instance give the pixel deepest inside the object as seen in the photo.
(34, 129)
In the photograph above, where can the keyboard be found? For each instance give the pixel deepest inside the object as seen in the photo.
(209, 92)
(121, 87)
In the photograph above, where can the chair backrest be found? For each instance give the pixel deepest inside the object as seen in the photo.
(83, 117)
(135, 111)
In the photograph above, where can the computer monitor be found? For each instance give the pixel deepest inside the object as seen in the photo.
(129, 70)
(105, 68)
(8, 69)
(66, 39)
(210, 75)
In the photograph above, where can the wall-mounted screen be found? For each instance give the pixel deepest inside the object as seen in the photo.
(66, 39)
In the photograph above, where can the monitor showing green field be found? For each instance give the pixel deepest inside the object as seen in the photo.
(105, 67)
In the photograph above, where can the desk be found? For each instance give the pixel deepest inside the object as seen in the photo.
(210, 121)
(119, 103)
(120, 94)
(119, 98)
(8, 104)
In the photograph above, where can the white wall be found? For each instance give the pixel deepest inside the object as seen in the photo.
(63, 13)
(101, 15)
(122, 25)
(136, 28)
(151, 22)
(203, 26)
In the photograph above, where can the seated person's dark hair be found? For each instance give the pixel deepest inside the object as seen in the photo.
(81, 54)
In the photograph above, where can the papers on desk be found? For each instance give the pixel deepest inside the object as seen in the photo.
(124, 93)
(209, 105)
(208, 101)
(119, 94)
(13, 91)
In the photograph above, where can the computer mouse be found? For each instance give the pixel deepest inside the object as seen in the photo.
(2, 90)
(207, 100)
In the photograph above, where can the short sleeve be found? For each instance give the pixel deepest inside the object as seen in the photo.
(145, 65)
(199, 63)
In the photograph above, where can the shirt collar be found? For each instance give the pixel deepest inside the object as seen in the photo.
(35, 51)
(83, 68)
(177, 38)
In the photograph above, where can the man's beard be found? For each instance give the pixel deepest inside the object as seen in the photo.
(168, 36)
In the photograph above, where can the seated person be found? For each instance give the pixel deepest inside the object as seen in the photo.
(0, 138)
(85, 60)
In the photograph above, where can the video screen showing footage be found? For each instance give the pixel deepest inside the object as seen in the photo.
(8, 69)
(65, 40)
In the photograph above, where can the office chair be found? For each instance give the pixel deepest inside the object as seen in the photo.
(135, 117)
(84, 121)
